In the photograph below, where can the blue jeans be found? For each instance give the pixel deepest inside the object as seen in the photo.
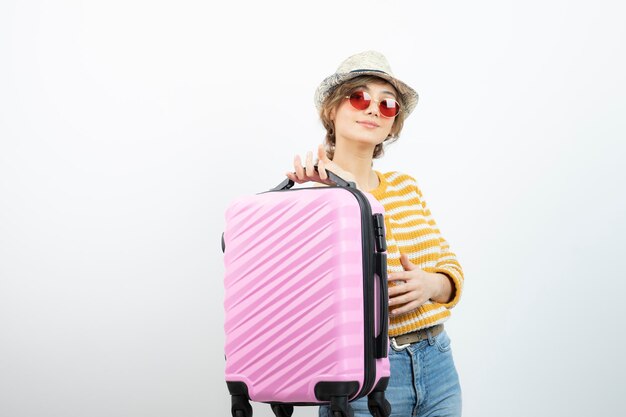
(423, 382)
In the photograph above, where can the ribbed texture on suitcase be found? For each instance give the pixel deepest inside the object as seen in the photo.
(293, 293)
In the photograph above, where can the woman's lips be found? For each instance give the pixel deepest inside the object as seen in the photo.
(368, 125)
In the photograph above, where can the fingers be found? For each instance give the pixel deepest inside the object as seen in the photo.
(306, 172)
(407, 301)
(293, 178)
(406, 262)
(321, 153)
(394, 290)
(321, 168)
(298, 177)
(397, 276)
(323, 163)
(407, 307)
(403, 298)
(309, 170)
(400, 286)
(297, 164)
(406, 295)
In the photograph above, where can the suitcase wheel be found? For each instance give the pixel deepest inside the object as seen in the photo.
(340, 407)
(350, 413)
(240, 406)
(282, 410)
(378, 404)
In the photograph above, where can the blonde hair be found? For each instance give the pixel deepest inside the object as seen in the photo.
(336, 97)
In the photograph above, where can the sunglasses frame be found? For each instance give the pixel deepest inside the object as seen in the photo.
(375, 101)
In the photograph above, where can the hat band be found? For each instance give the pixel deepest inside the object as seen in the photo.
(370, 70)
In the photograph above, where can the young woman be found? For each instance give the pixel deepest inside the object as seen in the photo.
(363, 107)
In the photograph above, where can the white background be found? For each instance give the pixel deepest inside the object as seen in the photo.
(126, 128)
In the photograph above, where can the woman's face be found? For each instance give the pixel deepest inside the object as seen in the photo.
(365, 126)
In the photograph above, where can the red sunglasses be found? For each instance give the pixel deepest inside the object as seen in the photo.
(361, 100)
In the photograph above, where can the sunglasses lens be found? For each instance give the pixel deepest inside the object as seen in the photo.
(389, 107)
(360, 100)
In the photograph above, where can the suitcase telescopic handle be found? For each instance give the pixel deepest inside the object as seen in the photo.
(288, 183)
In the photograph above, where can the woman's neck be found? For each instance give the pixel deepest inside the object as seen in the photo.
(359, 163)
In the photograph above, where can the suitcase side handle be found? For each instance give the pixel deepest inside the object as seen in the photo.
(288, 183)
(381, 270)
(382, 340)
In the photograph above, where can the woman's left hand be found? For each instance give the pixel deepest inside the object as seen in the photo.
(419, 286)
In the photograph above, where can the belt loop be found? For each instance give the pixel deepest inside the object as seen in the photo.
(431, 338)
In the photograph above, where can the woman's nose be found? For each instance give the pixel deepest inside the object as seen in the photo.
(373, 108)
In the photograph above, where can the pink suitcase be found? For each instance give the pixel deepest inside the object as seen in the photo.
(306, 309)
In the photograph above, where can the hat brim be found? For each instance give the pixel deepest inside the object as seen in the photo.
(409, 96)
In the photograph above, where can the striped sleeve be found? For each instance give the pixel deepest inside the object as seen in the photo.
(447, 263)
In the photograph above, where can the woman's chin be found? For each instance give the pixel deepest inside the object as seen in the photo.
(361, 136)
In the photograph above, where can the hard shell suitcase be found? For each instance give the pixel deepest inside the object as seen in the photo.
(306, 309)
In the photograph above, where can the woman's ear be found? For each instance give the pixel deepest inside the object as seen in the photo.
(331, 115)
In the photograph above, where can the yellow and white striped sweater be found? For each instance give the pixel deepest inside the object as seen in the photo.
(411, 229)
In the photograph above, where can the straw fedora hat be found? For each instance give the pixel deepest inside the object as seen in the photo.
(366, 63)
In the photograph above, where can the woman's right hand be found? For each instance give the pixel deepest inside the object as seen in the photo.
(308, 173)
